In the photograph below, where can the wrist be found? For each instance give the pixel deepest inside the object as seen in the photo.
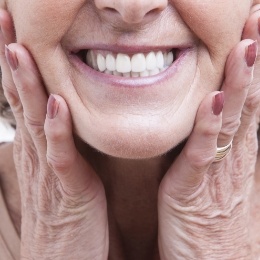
(65, 244)
(207, 239)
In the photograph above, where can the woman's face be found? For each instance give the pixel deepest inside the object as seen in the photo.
(124, 115)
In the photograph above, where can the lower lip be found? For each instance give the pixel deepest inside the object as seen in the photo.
(118, 81)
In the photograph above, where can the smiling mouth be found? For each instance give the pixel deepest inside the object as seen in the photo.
(129, 65)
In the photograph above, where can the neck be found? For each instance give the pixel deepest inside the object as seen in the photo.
(131, 190)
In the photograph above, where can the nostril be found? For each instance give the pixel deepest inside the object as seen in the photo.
(110, 9)
(154, 11)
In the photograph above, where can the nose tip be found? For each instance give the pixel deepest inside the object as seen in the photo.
(133, 11)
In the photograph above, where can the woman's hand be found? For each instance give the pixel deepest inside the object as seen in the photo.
(64, 214)
(204, 205)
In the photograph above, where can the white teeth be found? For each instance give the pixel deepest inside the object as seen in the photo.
(92, 60)
(144, 73)
(151, 61)
(159, 60)
(111, 62)
(169, 59)
(101, 62)
(123, 63)
(138, 65)
(154, 72)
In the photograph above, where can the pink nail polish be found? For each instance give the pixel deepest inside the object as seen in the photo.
(11, 58)
(251, 53)
(52, 107)
(218, 103)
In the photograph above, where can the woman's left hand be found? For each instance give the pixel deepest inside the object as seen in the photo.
(204, 205)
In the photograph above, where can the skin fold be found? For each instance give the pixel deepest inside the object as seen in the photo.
(118, 124)
(123, 171)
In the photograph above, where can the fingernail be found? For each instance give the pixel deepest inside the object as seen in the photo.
(259, 25)
(52, 107)
(11, 58)
(251, 53)
(218, 103)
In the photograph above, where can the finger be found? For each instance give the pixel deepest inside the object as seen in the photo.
(187, 172)
(30, 89)
(249, 113)
(6, 37)
(254, 9)
(239, 75)
(251, 29)
(75, 174)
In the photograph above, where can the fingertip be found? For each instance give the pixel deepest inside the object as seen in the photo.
(11, 58)
(255, 8)
(24, 59)
(210, 110)
(218, 103)
(58, 123)
(251, 28)
(251, 53)
(52, 107)
(240, 67)
(6, 24)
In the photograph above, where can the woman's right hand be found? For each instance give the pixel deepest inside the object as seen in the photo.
(64, 211)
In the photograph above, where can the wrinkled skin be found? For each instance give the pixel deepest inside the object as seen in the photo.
(117, 120)
(200, 203)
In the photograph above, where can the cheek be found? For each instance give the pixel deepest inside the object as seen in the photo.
(38, 22)
(216, 23)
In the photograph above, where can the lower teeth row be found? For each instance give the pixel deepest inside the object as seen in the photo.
(139, 65)
(145, 73)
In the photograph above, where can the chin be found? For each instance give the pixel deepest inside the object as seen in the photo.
(138, 143)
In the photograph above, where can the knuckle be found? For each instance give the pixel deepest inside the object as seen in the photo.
(198, 160)
(241, 83)
(56, 134)
(31, 160)
(60, 162)
(230, 127)
(209, 132)
(28, 161)
(12, 96)
(251, 103)
(8, 84)
(238, 171)
(24, 88)
(34, 127)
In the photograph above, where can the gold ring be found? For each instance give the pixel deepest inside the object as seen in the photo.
(222, 152)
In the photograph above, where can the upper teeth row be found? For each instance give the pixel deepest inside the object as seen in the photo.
(123, 63)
